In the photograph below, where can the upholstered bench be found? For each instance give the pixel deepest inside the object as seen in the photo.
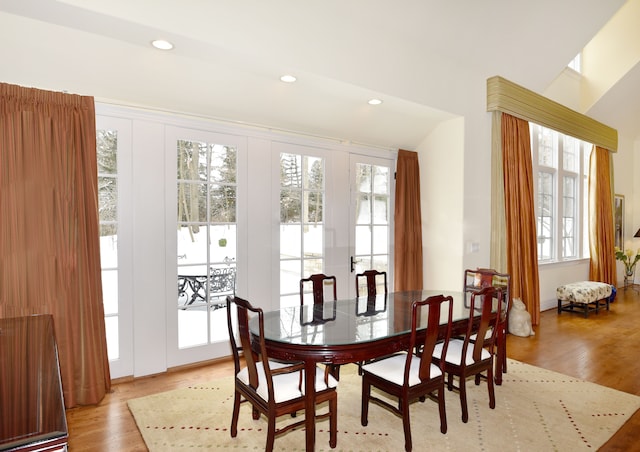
(583, 296)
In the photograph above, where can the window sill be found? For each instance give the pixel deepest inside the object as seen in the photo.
(565, 263)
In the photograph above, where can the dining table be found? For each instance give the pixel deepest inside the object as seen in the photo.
(351, 331)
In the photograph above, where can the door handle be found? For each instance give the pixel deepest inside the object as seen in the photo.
(353, 264)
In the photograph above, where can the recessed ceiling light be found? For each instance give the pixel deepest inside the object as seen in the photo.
(288, 78)
(375, 102)
(162, 44)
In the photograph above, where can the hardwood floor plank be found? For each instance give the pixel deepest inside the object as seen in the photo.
(602, 349)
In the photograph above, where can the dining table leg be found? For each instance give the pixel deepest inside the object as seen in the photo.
(310, 404)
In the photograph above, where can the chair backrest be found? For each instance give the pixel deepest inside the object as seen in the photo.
(475, 280)
(489, 302)
(434, 305)
(372, 280)
(321, 285)
(244, 311)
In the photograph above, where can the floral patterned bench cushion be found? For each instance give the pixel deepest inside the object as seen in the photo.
(584, 291)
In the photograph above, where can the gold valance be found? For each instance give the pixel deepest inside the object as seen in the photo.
(508, 97)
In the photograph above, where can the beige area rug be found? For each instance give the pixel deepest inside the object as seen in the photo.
(536, 410)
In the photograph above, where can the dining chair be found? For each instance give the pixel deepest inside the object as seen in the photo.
(371, 280)
(323, 288)
(320, 286)
(474, 354)
(411, 375)
(484, 277)
(272, 388)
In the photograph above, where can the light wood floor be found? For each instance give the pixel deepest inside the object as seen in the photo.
(603, 349)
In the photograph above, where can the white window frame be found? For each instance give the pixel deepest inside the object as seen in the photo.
(177, 356)
(290, 297)
(123, 365)
(559, 173)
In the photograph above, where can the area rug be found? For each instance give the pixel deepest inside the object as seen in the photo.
(536, 410)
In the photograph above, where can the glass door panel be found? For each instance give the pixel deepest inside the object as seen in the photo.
(113, 147)
(301, 221)
(206, 239)
(371, 204)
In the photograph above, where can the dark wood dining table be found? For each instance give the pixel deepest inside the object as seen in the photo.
(349, 331)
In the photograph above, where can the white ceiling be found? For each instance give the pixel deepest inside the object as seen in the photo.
(427, 59)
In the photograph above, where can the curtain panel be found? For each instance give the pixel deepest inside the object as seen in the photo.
(521, 244)
(498, 251)
(408, 224)
(602, 265)
(49, 250)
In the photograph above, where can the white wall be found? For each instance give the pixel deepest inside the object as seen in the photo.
(627, 183)
(260, 214)
(633, 212)
(149, 259)
(441, 158)
(553, 275)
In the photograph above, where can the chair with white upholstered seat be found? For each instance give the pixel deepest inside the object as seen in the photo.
(370, 282)
(474, 354)
(475, 280)
(411, 375)
(272, 388)
(323, 289)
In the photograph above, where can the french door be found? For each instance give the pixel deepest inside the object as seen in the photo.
(371, 229)
(206, 194)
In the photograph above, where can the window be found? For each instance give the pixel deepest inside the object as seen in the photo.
(206, 241)
(372, 217)
(301, 222)
(576, 63)
(107, 150)
(560, 169)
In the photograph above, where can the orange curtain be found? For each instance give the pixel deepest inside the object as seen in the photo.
(601, 236)
(521, 240)
(49, 247)
(408, 224)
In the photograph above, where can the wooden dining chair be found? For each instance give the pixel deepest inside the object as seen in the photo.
(474, 354)
(411, 375)
(272, 388)
(475, 280)
(371, 280)
(320, 285)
